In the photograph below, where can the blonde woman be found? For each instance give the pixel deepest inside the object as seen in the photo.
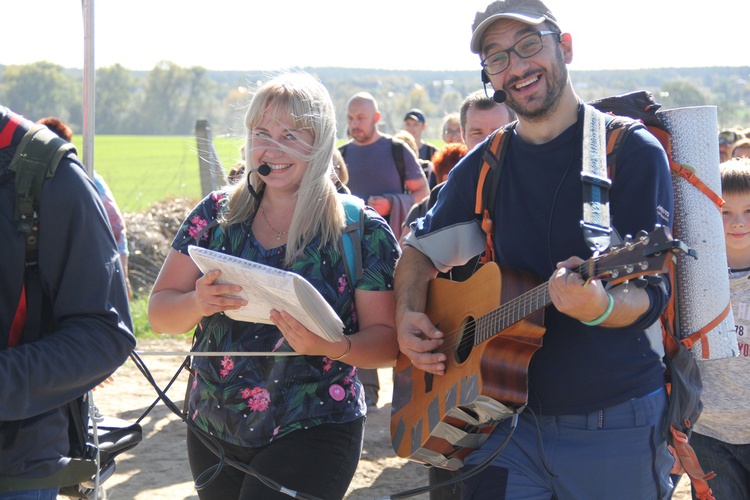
(296, 420)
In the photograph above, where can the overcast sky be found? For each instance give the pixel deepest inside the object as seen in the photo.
(391, 34)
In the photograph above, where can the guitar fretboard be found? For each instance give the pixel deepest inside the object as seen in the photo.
(519, 308)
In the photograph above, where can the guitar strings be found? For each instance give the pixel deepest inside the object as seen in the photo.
(512, 312)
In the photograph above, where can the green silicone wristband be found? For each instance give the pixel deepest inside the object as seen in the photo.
(604, 315)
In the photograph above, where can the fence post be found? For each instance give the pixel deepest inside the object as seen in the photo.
(211, 171)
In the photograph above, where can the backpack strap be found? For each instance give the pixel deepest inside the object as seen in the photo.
(351, 237)
(398, 150)
(493, 156)
(36, 160)
(685, 171)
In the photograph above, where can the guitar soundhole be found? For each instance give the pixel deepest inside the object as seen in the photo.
(466, 335)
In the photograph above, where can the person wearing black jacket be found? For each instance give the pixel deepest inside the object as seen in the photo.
(85, 329)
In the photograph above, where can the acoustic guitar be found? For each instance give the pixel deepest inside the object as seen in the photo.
(492, 325)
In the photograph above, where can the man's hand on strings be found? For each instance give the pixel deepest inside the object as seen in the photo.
(417, 338)
(213, 297)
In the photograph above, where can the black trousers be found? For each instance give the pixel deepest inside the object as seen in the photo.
(320, 461)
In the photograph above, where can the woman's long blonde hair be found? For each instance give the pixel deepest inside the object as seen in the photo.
(318, 210)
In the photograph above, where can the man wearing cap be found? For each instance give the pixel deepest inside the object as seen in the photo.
(415, 123)
(593, 426)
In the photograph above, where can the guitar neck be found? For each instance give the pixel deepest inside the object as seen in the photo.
(511, 313)
(519, 308)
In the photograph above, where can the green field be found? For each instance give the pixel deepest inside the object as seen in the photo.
(142, 169)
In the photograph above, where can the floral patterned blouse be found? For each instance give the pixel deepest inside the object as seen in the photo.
(250, 401)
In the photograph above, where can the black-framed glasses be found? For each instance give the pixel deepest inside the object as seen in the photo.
(526, 47)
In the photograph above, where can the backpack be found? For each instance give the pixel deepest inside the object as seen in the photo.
(351, 237)
(397, 151)
(632, 111)
(36, 159)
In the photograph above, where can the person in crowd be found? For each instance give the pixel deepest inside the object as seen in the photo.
(721, 436)
(480, 116)
(594, 423)
(114, 215)
(727, 138)
(374, 176)
(65, 323)
(296, 420)
(444, 160)
(427, 167)
(452, 128)
(416, 123)
(373, 173)
(237, 171)
(339, 168)
(741, 149)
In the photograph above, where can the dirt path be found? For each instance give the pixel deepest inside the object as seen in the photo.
(157, 469)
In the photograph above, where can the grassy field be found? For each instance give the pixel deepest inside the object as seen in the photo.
(142, 169)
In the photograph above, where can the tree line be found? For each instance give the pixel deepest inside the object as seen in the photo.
(168, 99)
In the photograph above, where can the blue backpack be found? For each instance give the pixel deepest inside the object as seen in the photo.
(351, 238)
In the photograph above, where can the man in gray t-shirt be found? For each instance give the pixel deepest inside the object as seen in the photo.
(369, 159)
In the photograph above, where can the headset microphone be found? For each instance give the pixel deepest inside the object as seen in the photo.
(263, 169)
(499, 97)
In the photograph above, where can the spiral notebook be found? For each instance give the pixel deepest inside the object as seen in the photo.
(267, 288)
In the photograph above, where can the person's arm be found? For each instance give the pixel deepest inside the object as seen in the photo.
(415, 180)
(417, 336)
(181, 297)
(418, 188)
(590, 302)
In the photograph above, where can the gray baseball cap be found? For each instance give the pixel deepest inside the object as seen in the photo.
(526, 11)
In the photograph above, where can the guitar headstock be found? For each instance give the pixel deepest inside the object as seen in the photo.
(644, 255)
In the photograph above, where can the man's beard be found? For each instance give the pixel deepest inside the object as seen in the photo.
(364, 136)
(556, 80)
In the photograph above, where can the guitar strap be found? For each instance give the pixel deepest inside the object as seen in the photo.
(596, 224)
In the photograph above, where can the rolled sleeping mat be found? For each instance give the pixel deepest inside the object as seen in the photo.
(702, 283)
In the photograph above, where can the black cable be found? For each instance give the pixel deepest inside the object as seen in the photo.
(169, 385)
(210, 442)
(215, 447)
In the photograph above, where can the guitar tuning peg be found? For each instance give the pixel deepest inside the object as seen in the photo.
(642, 235)
(641, 283)
(628, 238)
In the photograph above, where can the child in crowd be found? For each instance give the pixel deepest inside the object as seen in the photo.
(721, 437)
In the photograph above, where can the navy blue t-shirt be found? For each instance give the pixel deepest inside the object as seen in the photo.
(537, 217)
